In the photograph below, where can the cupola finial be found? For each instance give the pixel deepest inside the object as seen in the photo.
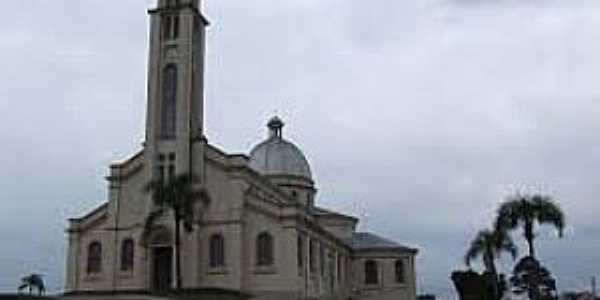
(275, 127)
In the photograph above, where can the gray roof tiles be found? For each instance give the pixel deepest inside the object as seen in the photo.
(370, 241)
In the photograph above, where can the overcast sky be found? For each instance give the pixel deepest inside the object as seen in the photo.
(418, 116)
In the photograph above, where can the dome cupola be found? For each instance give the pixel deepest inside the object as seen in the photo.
(278, 157)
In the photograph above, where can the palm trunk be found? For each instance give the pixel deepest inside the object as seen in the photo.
(529, 236)
(177, 250)
(493, 273)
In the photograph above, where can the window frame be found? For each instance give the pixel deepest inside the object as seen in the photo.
(216, 251)
(168, 102)
(400, 271)
(265, 252)
(300, 244)
(311, 256)
(322, 249)
(127, 257)
(94, 258)
(371, 272)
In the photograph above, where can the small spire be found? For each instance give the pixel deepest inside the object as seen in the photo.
(275, 126)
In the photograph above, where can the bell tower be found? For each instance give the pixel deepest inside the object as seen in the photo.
(175, 108)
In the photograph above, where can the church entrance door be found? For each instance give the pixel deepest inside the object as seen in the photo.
(162, 271)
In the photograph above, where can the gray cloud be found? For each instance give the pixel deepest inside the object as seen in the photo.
(418, 115)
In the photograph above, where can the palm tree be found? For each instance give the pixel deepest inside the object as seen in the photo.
(490, 244)
(33, 281)
(179, 195)
(526, 211)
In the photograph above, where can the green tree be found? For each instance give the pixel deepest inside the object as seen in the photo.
(179, 195)
(526, 211)
(489, 245)
(530, 277)
(33, 281)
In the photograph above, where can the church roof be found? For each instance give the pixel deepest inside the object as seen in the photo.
(369, 241)
(320, 211)
(100, 209)
(277, 156)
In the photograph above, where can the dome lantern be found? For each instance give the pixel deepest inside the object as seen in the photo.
(275, 126)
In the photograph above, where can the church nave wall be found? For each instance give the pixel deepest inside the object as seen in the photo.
(279, 273)
(97, 243)
(324, 265)
(132, 278)
(378, 272)
(222, 268)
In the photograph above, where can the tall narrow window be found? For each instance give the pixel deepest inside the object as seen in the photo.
(176, 27)
(311, 256)
(171, 172)
(94, 258)
(161, 174)
(217, 251)
(339, 263)
(127, 255)
(400, 277)
(371, 272)
(322, 259)
(264, 249)
(169, 102)
(300, 252)
(166, 27)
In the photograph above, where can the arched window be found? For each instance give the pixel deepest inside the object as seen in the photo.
(169, 102)
(94, 258)
(264, 249)
(216, 251)
(400, 278)
(127, 254)
(371, 272)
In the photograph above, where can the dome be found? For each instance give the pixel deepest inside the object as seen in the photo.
(276, 156)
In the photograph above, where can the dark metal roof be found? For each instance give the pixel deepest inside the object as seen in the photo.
(370, 241)
(320, 211)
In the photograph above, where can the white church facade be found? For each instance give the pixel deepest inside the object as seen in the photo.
(257, 229)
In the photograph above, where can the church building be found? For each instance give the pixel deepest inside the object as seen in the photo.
(256, 229)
